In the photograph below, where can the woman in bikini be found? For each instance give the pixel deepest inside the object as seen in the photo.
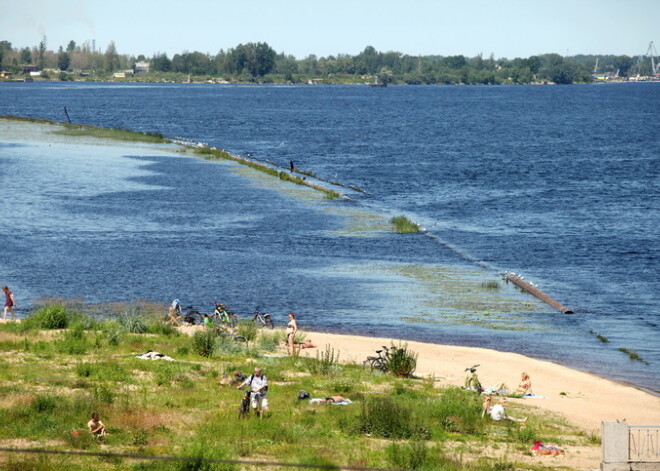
(291, 330)
(525, 386)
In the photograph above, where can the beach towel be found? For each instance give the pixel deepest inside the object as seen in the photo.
(532, 396)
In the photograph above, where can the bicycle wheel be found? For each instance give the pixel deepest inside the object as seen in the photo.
(378, 364)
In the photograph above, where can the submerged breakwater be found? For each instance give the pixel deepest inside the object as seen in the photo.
(537, 180)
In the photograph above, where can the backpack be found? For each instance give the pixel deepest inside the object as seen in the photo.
(303, 395)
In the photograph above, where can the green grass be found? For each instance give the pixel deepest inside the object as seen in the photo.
(633, 355)
(49, 389)
(403, 225)
(112, 133)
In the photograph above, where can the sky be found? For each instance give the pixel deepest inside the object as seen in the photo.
(504, 28)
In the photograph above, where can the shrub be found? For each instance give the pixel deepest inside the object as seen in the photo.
(400, 361)
(203, 343)
(383, 417)
(248, 330)
(50, 316)
(326, 362)
(268, 340)
(73, 342)
(459, 411)
(413, 455)
(133, 321)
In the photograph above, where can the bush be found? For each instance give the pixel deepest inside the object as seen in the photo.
(413, 455)
(50, 316)
(383, 417)
(133, 321)
(459, 411)
(400, 361)
(247, 329)
(73, 342)
(326, 362)
(203, 343)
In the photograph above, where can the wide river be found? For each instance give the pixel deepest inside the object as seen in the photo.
(559, 184)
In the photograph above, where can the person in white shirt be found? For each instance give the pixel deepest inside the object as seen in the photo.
(258, 384)
(497, 411)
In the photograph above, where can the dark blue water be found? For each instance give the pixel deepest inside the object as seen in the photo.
(560, 184)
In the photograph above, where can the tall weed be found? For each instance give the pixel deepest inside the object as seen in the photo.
(248, 330)
(133, 321)
(459, 411)
(401, 361)
(326, 362)
(383, 417)
(203, 343)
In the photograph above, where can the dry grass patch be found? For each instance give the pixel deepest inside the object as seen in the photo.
(12, 400)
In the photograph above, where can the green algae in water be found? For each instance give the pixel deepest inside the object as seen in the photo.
(456, 295)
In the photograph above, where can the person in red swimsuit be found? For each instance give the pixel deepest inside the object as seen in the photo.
(10, 303)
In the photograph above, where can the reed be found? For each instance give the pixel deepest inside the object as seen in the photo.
(403, 225)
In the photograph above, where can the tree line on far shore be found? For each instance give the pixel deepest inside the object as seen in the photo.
(258, 62)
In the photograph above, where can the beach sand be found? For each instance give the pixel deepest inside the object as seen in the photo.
(583, 399)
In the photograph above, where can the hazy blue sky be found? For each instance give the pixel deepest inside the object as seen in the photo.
(507, 28)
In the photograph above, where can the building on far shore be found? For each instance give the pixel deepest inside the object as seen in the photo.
(142, 66)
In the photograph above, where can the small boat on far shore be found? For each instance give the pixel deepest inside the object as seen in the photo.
(377, 83)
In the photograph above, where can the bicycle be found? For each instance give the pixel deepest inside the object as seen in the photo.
(224, 316)
(234, 337)
(262, 319)
(380, 362)
(189, 315)
(244, 408)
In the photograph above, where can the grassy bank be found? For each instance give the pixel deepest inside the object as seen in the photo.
(62, 364)
(208, 153)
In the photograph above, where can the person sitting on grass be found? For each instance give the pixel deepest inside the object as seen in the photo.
(96, 427)
(497, 412)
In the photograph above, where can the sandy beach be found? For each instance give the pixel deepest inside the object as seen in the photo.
(583, 399)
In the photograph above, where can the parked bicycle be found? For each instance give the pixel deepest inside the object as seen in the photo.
(224, 316)
(380, 362)
(191, 315)
(262, 319)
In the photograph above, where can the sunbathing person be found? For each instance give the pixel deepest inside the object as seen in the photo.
(339, 399)
(525, 386)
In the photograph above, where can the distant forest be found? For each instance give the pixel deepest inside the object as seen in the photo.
(259, 63)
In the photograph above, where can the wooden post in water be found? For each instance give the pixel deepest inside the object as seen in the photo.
(531, 289)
